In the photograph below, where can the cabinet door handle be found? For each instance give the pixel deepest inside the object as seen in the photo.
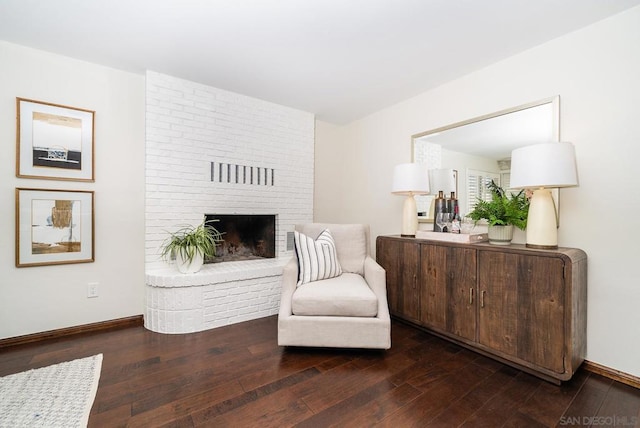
(471, 296)
(482, 298)
(415, 280)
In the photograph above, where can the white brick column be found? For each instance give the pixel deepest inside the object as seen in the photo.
(189, 126)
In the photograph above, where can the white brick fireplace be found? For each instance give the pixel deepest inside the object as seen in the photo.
(213, 151)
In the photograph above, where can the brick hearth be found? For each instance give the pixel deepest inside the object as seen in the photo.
(218, 295)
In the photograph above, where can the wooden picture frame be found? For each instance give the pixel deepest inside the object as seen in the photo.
(54, 227)
(53, 141)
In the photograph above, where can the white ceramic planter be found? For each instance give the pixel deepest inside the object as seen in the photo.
(186, 267)
(500, 235)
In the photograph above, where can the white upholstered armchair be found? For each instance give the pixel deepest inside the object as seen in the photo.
(345, 311)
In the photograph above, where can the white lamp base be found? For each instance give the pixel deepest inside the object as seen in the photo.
(409, 217)
(542, 224)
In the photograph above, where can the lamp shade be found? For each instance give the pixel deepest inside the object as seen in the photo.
(410, 179)
(442, 179)
(544, 165)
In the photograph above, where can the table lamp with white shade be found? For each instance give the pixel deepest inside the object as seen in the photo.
(542, 167)
(410, 179)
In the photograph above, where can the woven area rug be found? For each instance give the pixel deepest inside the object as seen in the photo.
(60, 395)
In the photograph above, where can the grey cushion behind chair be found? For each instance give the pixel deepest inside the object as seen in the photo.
(352, 243)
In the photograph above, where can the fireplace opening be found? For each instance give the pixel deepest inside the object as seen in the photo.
(246, 236)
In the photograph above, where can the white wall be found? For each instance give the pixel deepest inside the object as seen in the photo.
(595, 71)
(35, 299)
(329, 173)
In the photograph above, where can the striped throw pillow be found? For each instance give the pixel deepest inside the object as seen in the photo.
(317, 259)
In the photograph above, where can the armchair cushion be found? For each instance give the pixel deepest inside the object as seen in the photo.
(347, 295)
(317, 259)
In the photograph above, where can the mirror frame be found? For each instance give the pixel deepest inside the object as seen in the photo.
(553, 101)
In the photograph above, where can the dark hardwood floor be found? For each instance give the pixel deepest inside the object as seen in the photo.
(237, 376)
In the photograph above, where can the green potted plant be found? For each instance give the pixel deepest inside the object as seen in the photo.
(502, 213)
(190, 245)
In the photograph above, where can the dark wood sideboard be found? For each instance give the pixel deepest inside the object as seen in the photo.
(524, 307)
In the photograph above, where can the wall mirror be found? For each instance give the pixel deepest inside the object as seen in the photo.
(479, 149)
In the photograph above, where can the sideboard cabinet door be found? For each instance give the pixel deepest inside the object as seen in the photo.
(522, 307)
(449, 289)
(541, 312)
(401, 260)
(498, 301)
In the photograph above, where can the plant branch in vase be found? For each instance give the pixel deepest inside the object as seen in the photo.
(502, 212)
(191, 245)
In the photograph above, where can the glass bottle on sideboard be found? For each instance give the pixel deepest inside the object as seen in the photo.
(440, 206)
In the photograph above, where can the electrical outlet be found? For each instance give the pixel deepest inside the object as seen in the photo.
(92, 289)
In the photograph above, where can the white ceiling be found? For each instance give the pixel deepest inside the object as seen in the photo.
(339, 59)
